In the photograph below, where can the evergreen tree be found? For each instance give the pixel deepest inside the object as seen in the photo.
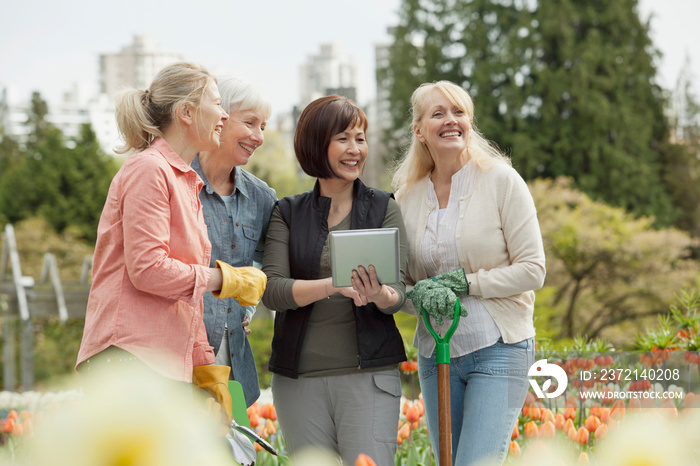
(64, 182)
(601, 119)
(565, 86)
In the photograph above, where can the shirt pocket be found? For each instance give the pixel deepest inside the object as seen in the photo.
(251, 233)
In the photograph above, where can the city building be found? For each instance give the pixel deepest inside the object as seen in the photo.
(136, 65)
(331, 71)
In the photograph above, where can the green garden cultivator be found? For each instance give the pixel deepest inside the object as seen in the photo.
(438, 297)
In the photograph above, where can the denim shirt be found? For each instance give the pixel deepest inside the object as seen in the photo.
(239, 242)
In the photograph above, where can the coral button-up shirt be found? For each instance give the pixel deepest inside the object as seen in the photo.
(151, 266)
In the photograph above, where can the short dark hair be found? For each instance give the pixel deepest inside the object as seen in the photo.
(318, 123)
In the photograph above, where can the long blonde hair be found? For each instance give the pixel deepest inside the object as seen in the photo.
(144, 115)
(417, 162)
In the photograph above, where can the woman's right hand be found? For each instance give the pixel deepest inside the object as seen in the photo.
(350, 292)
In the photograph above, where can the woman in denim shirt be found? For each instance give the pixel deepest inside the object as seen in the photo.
(237, 208)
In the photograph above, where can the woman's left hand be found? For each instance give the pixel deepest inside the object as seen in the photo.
(245, 325)
(367, 284)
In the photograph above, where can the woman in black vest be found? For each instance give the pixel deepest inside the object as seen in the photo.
(335, 351)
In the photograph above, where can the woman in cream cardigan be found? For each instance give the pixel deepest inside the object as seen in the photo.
(465, 207)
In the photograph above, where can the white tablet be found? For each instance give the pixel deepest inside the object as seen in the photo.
(351, 248)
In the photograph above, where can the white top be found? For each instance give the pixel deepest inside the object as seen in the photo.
(477, 330)
(498, 241)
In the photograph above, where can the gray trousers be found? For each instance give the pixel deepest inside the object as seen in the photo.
(346, 414)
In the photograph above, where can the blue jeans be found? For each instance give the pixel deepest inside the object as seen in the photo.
(487, 391)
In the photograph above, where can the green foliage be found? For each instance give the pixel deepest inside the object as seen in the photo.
(56, 350)
(609, 269)
(272, 164)
(35, 238)
(260, 339)
(65, 182)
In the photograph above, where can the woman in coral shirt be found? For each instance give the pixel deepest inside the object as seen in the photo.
(151, 263)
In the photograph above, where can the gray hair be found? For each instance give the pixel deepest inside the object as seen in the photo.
(238, 94)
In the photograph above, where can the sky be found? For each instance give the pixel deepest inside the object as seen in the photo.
(48, 46)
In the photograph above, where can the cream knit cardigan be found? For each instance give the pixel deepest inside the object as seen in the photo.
(499, 246)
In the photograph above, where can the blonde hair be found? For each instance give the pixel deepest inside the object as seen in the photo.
(144, 115)
(417, 162)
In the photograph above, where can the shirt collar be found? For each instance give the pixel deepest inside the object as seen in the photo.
(161, 145)
(238, 183)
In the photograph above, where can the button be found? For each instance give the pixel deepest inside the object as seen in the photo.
(237, 223)
(233, 246)
(232, 354)
(228, 310)
(191, 338)
(231, 332)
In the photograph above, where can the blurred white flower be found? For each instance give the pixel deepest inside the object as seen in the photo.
(132, 418)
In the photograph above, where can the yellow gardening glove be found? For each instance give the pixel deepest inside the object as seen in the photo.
(245, 284)
(214, 380)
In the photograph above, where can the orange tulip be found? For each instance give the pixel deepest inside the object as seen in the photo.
(13, 415)
(364, 460)
(618, 410)
(254, 409)
(669, 409)
(516, 433)
(601, 432)
(568, 425)
(28, 426)
(571, 433)
(634, 405)
(254, 420)
(595, 409)
(270, 428)
(591, 423)
(405, 430)
(531, 429)
(409, 366)
(559, 421)
(529, 398)
(534, 411)
(604, 414)
(547, 430)
(421, 406)
(571, 401)
(569, 413)
(548, 415)
(9, 426)
(583, 458)
(268, 411)
(514, 450)
(413, 413)
(582, 436)
(257, 446)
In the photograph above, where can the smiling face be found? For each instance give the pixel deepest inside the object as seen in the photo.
(242, 134)
(443, 127)
(347, 152)
(209, 119)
